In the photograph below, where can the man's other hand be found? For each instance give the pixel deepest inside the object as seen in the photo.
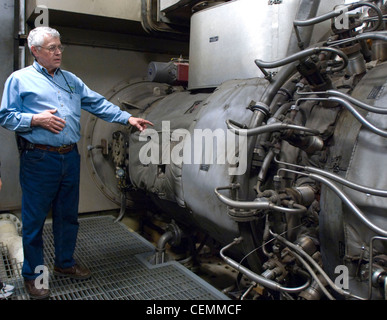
(48, 121)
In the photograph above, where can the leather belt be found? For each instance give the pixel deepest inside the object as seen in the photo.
(62, 149)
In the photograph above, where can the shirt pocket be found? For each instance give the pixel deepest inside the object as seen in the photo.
(76, 104)
(71, 105)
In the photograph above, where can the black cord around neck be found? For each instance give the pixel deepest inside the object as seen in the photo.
(57, 84)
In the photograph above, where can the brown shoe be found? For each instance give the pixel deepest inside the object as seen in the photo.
(74, 272)
(34, 292)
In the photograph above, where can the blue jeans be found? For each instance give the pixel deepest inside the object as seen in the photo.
(49, 181)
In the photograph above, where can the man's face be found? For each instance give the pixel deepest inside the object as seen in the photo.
(49, 55)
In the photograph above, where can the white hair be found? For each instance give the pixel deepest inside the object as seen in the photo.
(36, 36)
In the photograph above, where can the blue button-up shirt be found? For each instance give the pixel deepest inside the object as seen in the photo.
(32, 90)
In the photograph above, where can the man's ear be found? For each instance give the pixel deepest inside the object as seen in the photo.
(34, 50)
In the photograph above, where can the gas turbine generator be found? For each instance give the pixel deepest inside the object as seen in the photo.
(273, 149)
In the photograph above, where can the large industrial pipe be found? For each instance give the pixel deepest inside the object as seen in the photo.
(9, 236)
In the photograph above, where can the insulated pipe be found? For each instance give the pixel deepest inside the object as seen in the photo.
(255, 277)
(9, 236)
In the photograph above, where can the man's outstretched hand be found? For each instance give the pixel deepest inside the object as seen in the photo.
(139, 123)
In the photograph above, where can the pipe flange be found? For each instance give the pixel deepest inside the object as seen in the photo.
(263, 108)
(177, 233)
(377, 277)
(14, 219)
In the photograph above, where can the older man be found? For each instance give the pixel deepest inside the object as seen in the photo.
(43, 103)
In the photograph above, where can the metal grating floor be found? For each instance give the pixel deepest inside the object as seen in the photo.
(118, 260)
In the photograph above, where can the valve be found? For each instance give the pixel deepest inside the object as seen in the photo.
(103, 146)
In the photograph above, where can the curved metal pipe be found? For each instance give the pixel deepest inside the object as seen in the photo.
(343, 198)
(258, 205)
(356, 102)
(301, 55)
(345, 182)
(255, 277)
(264, 168)
(379, 35)
(315, 20)
(161, 244)
(123, 207)
(236, 129)
(355, 113)
(282, 77)
(371, 263)
(313, 274)
(299, 250)
(345, 96)
(336, 13)
(359, 117)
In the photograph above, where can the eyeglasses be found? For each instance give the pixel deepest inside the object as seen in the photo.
(53, 49)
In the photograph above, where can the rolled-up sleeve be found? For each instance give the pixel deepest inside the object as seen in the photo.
(11, 113)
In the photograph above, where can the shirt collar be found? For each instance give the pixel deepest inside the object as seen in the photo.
(40, 68)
